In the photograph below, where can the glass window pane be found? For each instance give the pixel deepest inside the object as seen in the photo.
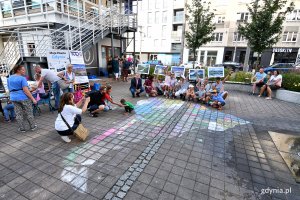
(157, 21)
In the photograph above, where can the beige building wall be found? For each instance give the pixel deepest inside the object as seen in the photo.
(228, 11)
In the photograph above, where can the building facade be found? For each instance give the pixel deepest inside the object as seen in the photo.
(29, 28)
(160, 29)
(229, 45)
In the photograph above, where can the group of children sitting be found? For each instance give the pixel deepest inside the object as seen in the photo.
(211, 94)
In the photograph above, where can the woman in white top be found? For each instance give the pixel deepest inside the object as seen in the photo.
(69, 76)
(273, 83)
(71, 113)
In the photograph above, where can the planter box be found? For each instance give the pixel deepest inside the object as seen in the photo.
(289, 96)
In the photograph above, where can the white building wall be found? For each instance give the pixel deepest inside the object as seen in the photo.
(155, 36)
(229, 10)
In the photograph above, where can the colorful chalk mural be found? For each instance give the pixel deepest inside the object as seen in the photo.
(155, 112)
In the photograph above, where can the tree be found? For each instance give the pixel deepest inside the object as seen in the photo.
(265, 27)
(201, 26)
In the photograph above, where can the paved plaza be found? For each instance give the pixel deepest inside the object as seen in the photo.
(168, 149)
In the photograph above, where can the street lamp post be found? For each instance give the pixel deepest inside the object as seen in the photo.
(141, 36)
(234, 53)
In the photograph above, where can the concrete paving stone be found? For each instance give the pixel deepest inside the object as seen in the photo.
(190, 174)
(202, 188)
(218, 175)
(216, 193)
(204, 153)
(177, 170)
(217, 183)
(157, 183)
(171, 188)
(258, 179)
(10, 194)
(166, 196)
(20, 198)
(198, 195)
(132, 196)
(139, 187)
(145, 178)
(23, 187)
(174, 178)
(184, 193)
(152, 192)
(100, 191)
(162, 174)
(187, 183)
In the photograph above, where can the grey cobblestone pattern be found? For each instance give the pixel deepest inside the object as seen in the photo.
(125, 182)
(197, 163)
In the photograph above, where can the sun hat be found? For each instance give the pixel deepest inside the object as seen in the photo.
(191, 86)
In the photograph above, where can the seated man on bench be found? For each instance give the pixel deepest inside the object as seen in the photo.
(259, 79)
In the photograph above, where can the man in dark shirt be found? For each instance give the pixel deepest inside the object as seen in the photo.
(96, 103)
(136, 86)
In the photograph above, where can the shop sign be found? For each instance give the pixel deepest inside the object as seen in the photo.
(282, 50)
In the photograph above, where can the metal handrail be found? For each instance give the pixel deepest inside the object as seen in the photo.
(70, 36)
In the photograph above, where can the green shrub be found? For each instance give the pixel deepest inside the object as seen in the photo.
(291, 81)
(241, 77)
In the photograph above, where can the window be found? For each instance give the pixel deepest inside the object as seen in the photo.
(31, 49)
(157, 21)
(150, 4)
(289, 37)
(150, 18)
(165, 3)
(163, 31)
(176, 47)
(143, 6)
(157, 4)
(220, 20)
(156, 42)
(238, 37)
(149, 31)
(293, 16)
(164, 17)
(202, 55)
(163, 43)
(244, 16)
(191, 55)
(218, 37)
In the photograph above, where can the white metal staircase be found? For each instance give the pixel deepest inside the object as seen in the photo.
(77, 34)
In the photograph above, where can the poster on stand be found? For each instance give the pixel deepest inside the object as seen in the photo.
(79, 67)
(194, 74)
(76, 57)
(80, 73)
(160, 70)
(214, 72)
(178, 71)
(143, 68)
(58, 59)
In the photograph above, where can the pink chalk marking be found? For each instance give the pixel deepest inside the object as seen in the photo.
(103, 136)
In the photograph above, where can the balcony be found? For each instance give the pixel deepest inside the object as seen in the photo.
(178, 19)
(176, 48)
(176, 37)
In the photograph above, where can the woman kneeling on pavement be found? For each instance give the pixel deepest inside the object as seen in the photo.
(70, 113)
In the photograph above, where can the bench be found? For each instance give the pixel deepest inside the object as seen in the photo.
(243, 87)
